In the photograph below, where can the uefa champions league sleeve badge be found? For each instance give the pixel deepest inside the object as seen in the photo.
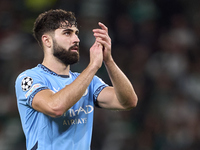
(26, 83)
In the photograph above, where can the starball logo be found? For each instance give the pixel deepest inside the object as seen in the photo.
(72, 113)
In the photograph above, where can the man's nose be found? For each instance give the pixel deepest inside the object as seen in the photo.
(76, 39)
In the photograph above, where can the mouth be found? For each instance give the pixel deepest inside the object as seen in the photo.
(74, 49)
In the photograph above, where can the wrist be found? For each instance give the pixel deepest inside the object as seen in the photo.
(93, 67)
(108, 61)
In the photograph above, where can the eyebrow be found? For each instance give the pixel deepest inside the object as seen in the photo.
(70, 30)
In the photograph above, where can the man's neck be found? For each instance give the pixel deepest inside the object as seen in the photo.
(56, 66)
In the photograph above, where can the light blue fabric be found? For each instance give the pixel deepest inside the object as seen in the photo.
(71, 131)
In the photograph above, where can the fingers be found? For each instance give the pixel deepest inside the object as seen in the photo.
(102, 36)
(102, 33)
(103, 26)
(103, 39)
(103, 30)
(97, 44)
(101, 42)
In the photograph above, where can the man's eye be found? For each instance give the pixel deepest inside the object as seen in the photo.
(67, 33)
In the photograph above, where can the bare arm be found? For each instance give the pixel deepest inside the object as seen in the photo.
(55, 104)
(122, 94)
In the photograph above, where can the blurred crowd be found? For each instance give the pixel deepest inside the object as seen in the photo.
(156, 44)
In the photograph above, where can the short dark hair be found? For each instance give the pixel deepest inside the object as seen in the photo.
(52, 20)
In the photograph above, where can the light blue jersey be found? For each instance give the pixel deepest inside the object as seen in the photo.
(71, 131)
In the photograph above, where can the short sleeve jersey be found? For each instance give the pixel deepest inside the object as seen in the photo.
(71, 131)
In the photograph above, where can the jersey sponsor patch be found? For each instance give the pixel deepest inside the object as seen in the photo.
(26, 83)
(33, 88)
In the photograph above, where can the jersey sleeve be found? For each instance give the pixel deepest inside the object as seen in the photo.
(98, 86)
(27, 85)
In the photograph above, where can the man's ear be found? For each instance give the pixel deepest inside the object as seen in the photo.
(47, 40)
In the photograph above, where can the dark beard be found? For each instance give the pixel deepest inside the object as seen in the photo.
(66, 56)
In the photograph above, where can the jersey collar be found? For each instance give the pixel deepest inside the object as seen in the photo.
(50, 71)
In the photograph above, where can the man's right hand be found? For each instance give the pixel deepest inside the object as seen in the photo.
(96, 55)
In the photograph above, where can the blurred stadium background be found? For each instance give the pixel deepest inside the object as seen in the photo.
(156, 44)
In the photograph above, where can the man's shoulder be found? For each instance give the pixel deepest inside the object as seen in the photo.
(30, 71)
